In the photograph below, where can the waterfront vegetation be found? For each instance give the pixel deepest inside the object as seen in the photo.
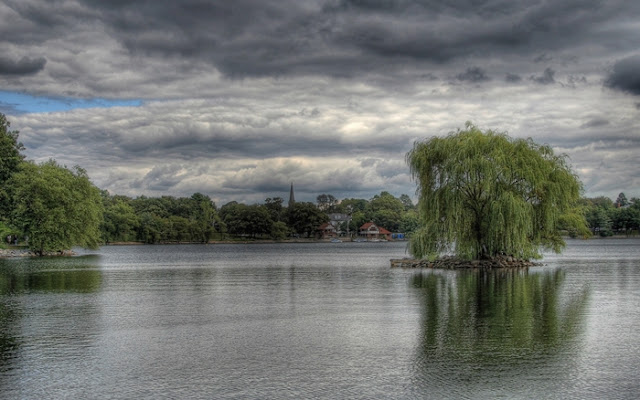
(49, 207)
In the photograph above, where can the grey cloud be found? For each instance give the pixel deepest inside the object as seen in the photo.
(625, 75)
(203, 130)
(309, 178)
(385, 168)
(542, 58)
(595, 123)
(473, 74)
(512, 78)
(161, 178)
(546, 78)
(23, 66)
(573, 81)
(338, 38)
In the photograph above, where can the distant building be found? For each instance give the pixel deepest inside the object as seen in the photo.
(337, 219)
(371, 231)
(327, 231)
(292, 198)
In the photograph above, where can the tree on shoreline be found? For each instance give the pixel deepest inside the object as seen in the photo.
(10, 159)
(55, 207)
(483, 194)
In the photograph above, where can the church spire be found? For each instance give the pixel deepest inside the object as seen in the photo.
(292, 198)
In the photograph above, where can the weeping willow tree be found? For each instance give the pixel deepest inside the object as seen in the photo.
(483, 194)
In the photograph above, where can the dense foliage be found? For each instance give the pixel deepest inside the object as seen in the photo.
(197, 219)
(483, 193)
(56, 208)
(10, 159)
(159, 219)
(606, 218)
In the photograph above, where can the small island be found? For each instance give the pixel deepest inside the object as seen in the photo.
(490, 201)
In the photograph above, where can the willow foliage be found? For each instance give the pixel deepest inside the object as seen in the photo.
(483, 193)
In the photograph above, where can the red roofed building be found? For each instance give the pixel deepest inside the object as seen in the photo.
(371, 231)
(327, 230)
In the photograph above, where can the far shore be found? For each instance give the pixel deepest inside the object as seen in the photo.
(249, 241)
(22, 251)
(303, 240)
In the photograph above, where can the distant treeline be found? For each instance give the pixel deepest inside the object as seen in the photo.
(606, 217)
(198, 219)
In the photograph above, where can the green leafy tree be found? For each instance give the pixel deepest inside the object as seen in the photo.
(353, 205)
(276, 210)
(483, 193)
(152, 228)
(10, 159)
(407, 202)
(386, 201)
(120, 221)
(385, 210)
(358, 218)
(279, 230)
(409, 222)
(204, 217)
(387, 219)
(10, 148)
(241, 219)
(326, 202)
(599, 202)
(621, 201)
(598, 213)
(626, 220)
(5, 231)
(55, 207)
(305, 218)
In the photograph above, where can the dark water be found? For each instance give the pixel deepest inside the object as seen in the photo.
(318, 321)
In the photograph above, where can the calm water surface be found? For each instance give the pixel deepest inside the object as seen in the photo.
(318, 321)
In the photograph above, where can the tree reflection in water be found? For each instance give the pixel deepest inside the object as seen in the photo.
(22, 278)
(479, 322)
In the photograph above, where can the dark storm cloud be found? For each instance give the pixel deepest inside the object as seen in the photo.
(542, 58)
(512, 78)
(339, 38)
(23, 66)
(473, 74)
(625, 75)
(547, 77)
(595, 123)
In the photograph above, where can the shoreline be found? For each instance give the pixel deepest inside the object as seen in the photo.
(249, 241)
(505, 262)
(18, 253)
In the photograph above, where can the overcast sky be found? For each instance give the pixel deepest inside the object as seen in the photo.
(237, 99)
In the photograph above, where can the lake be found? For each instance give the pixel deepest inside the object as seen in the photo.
(318, 321)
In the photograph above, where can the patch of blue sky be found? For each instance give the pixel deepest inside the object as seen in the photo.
(20, 103)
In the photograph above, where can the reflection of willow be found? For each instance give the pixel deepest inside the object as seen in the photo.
(480, 316)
